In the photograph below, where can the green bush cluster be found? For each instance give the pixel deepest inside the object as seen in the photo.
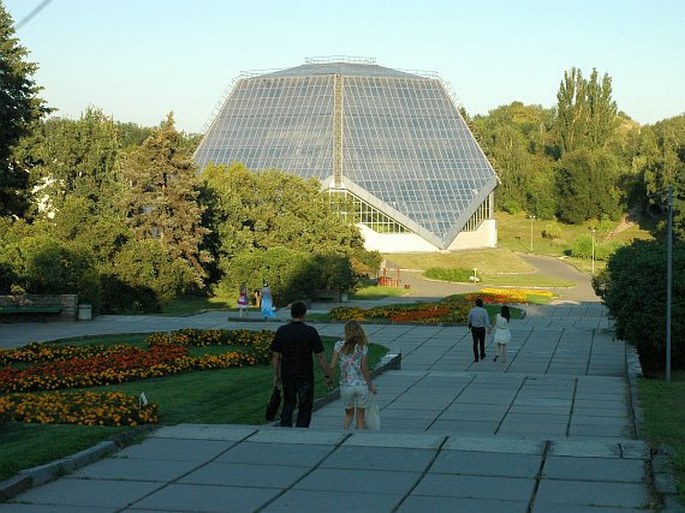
(633, 287)
(448, 274)
(141, 277)
(582, 248)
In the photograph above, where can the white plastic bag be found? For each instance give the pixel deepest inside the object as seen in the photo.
(372, 417)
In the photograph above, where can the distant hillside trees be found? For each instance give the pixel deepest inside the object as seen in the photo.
(571, 163)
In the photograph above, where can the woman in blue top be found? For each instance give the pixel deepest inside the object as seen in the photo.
(267, 303)
(355, 378)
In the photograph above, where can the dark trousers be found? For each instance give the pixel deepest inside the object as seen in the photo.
(300, 393)
(478, 335)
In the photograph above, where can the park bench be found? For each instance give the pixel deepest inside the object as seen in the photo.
(30, 309)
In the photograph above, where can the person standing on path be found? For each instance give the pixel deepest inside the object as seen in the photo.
(355, 378)
(267, 304)
(243, 301)
(478, 322)
(502, 333)
(293, 366)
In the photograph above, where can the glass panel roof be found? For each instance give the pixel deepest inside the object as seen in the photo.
(404, 141)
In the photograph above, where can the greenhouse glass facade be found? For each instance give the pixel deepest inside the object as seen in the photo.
(393, 141)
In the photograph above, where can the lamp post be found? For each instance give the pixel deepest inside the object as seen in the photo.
(669, 281)
(593, 250)
(531, 232)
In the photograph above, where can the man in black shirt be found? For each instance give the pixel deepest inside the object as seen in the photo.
(293, 366)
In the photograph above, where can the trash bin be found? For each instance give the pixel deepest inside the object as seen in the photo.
(85, 312)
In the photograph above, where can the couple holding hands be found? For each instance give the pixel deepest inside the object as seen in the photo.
(293, 369)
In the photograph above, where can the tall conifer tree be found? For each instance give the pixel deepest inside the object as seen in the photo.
(20, 107)
(161, 201)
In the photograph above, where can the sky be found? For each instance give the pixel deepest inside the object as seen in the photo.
(138, 60)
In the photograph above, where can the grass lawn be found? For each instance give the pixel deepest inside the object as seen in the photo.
(228, 396)
(497, 267)
(663, 406)
(188, 305)
(514, 233)
(490, 261)
(371, 292)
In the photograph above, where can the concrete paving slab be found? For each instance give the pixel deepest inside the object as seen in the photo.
(205, 432)
(179, 449)
(377, 439)
(300, 455)
(134, 469)
(397, 459)
(579, 508)
(96, 493)
(494, 445)
(487, 464)
(46, 508)
(333, 501)
(549, 430)
(297, 436)
(594, 430)
(637, 449)
(587, 493)
(463, 427)
(424, 504)
(585, 449)
(223, 473)
(185, 498)
(475, 487)
(356, 481)
(594, 469)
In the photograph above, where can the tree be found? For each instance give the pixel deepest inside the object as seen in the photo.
(20, 108)
(38, 263)
(586, 182)
(277, 227)
(660, 160)
(633, 287)
(587, 171)
(144, 276)
(515, 137)
(271, 208)
(161, 202)
(76, 158)
(586, 112)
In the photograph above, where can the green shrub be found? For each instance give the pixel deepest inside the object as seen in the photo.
(143, 277)
(42, 265)
(551, 231)
(291, 274)
(448, 274)
(633, 287)
(582, 248)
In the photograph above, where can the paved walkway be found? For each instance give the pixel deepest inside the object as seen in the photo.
(550, 432)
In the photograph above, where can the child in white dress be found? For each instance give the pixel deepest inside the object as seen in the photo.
(502, 333)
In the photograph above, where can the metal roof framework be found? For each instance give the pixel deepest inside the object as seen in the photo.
(392, 138)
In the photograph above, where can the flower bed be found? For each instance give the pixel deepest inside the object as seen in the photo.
(62, 367)
(450, 311)
(81, 408)
(504, 296)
